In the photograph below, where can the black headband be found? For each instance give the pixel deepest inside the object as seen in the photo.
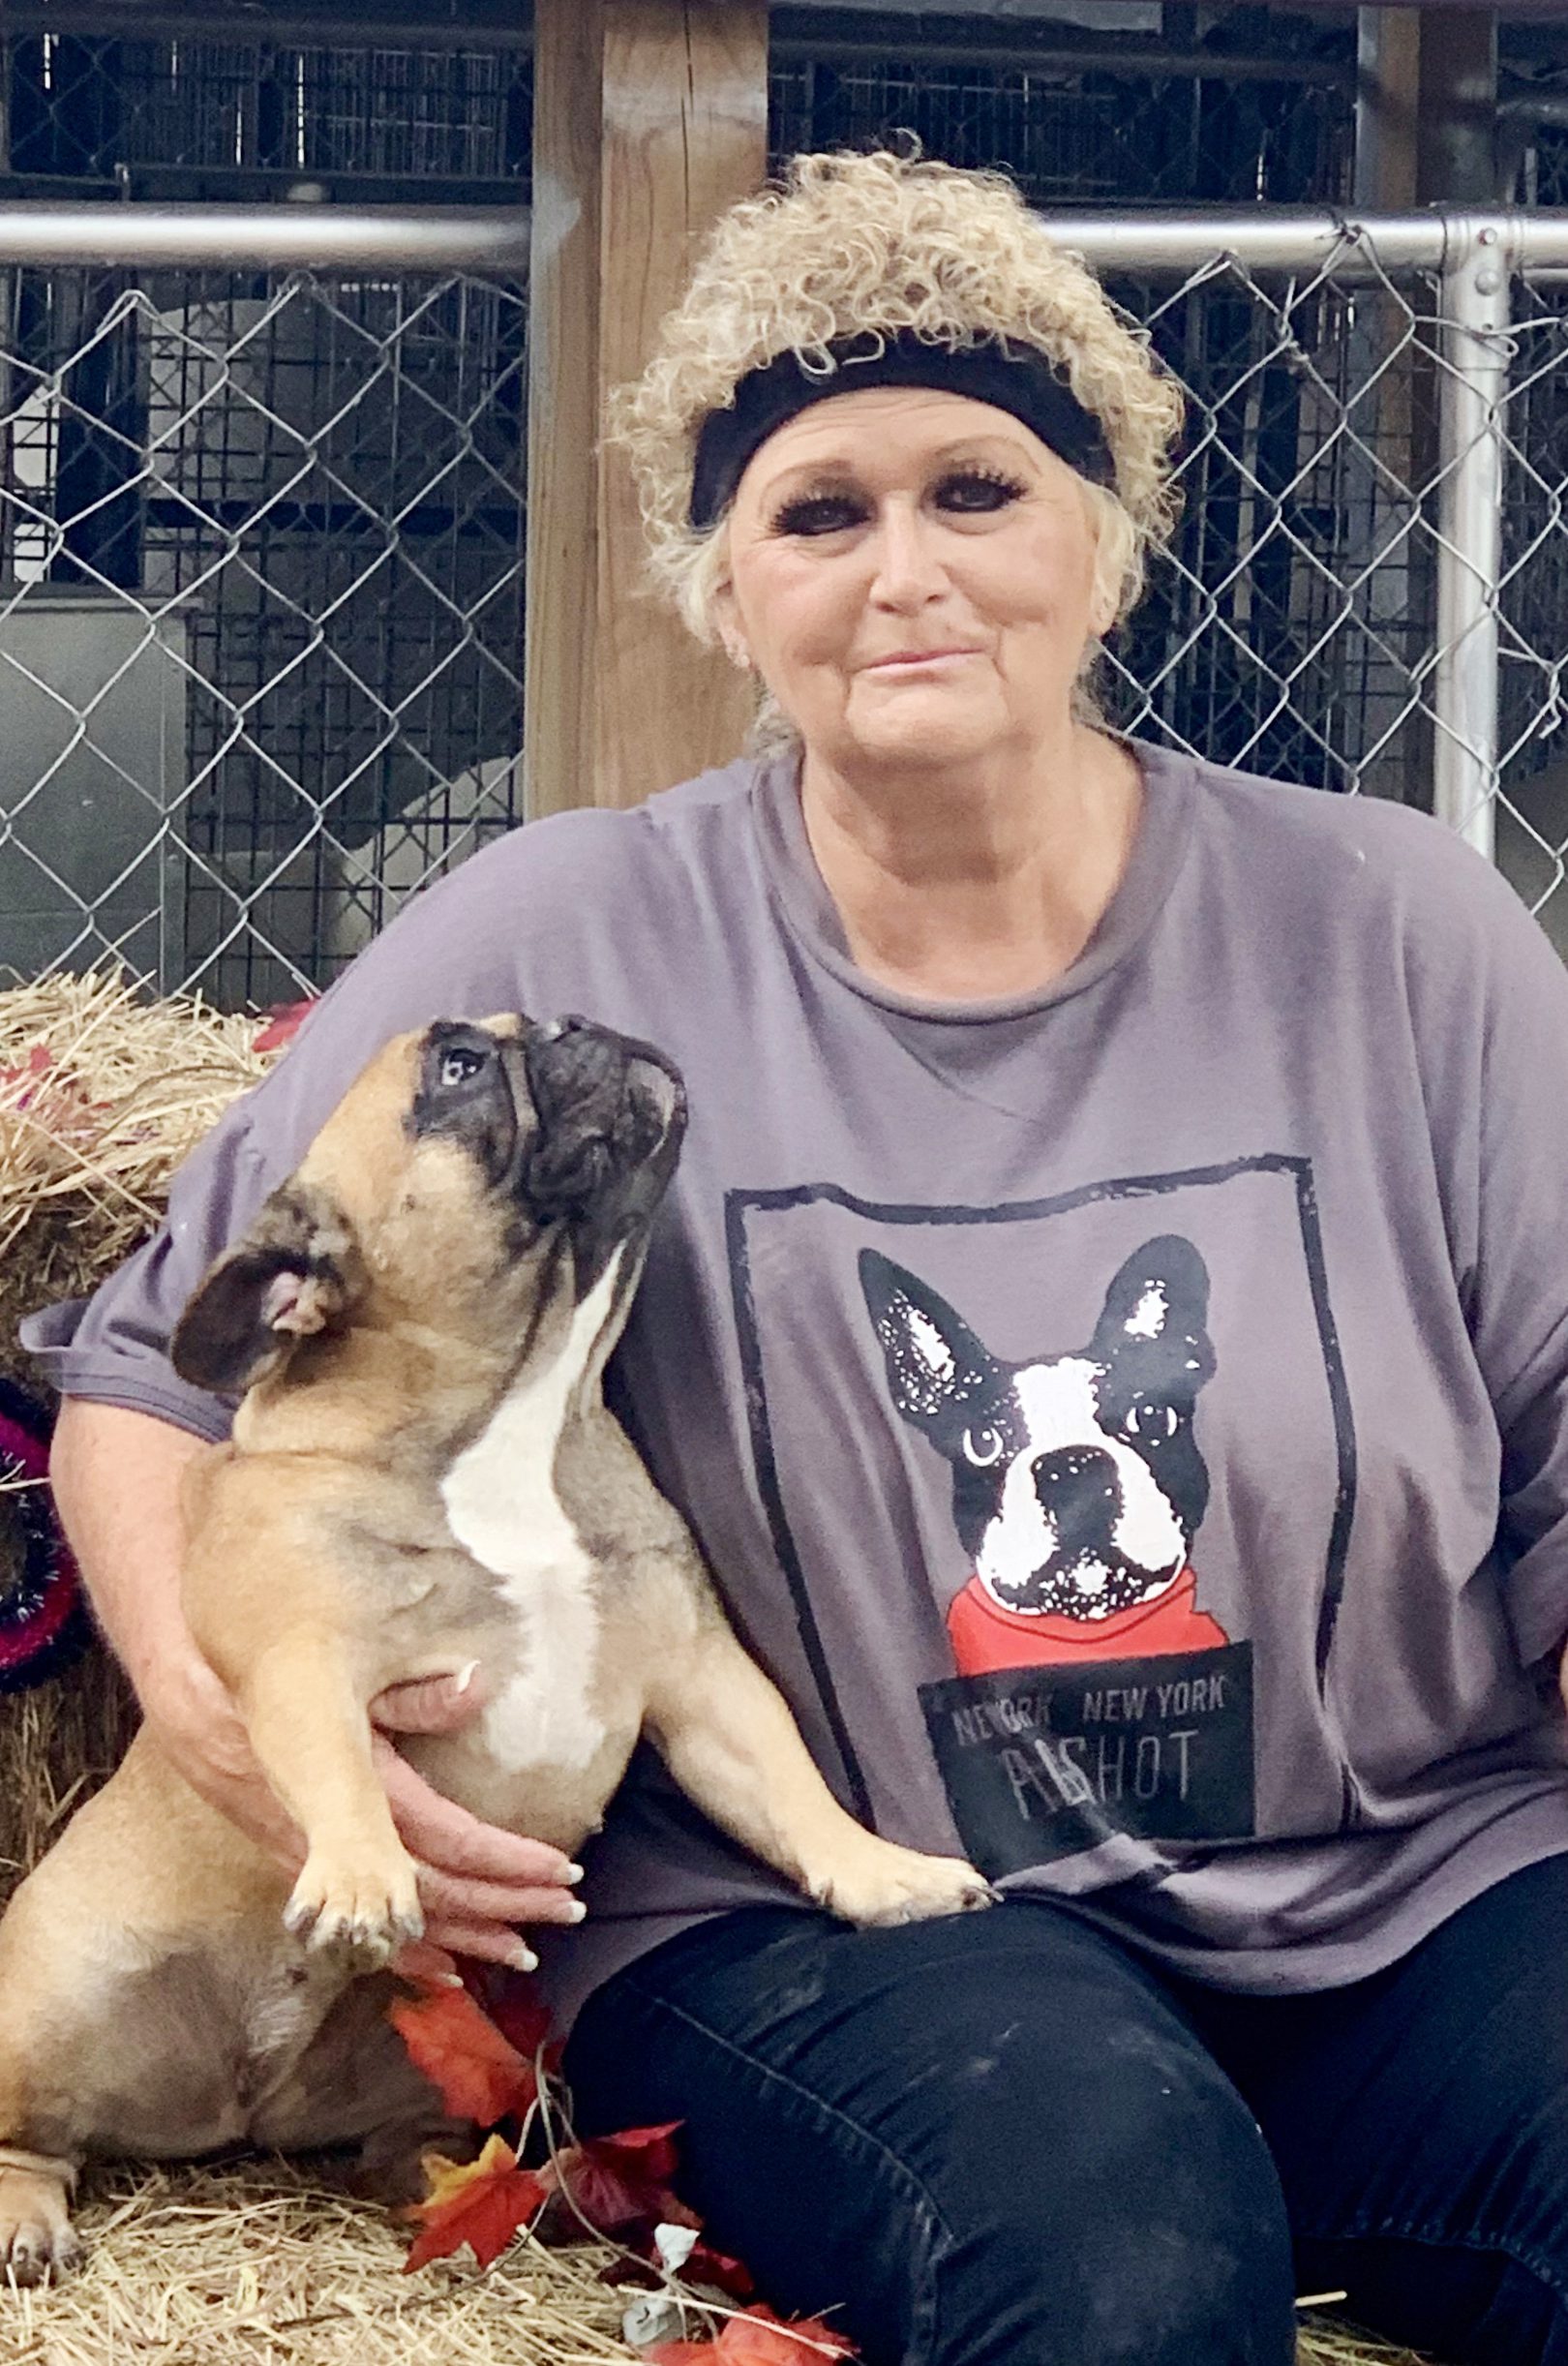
(1014, 377)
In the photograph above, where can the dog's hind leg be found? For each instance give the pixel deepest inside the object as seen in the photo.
(37, 2239)
(728, 1738)
(358, 1894)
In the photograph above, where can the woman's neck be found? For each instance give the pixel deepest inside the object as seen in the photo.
(965, 889)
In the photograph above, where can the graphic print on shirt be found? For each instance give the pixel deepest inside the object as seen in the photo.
(1078, 1485)
(1077, 1488)
(1058, 1471)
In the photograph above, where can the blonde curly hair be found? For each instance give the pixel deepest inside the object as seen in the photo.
(849, 243)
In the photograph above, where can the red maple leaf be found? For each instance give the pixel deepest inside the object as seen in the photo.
(282, 1023)
(518, 2012)
(460, 2049)
(718, 2271)
(616, 2184)
(702, 2265)
(479, 2203)
(758, 2338)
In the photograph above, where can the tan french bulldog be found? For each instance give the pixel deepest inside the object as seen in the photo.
(422, 1476)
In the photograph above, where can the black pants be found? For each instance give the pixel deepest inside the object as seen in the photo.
(1005, 2138)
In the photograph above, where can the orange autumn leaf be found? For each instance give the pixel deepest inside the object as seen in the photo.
(756, 2337)
(479, 2203)
(464, 2054)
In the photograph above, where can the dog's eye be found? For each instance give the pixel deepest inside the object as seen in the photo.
(458, 1064)
(1152, 1421)
(983, 1445)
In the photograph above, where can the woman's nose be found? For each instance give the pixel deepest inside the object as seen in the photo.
(908, 569)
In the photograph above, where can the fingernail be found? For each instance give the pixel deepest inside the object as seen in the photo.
(573, 1872)
(576, 1911)
(522, 1959)
(466, 1676)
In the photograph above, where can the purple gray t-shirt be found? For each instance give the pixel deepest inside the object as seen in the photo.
(1131, 1421)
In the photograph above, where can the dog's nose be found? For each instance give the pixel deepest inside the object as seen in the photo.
(1078, 1486)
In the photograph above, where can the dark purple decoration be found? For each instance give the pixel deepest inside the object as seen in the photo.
(43, 1620)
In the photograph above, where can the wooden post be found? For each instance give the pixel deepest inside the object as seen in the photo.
(1398, 592)
(1458, 163)
(651, 116)
(1387, 107)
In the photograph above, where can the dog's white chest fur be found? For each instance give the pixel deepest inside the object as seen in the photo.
(502, 1507)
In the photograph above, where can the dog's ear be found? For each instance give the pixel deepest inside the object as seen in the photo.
(1156, 1317)
(936, 1366)
(297, 1271)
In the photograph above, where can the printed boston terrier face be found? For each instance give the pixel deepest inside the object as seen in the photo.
(1078, 1485)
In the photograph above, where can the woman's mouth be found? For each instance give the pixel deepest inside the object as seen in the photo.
(920, 661)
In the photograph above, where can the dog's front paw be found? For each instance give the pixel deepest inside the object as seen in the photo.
(358, 1918)
(37, 2239)
(888, 1884)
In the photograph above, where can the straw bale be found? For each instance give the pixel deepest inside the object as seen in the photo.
(101, 1094)
(58, 1742)
(270, 2263)
(267, 2264)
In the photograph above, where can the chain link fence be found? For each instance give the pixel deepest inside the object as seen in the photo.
(1299, 628)
(263, 541)
(260, 645)
(261, 530)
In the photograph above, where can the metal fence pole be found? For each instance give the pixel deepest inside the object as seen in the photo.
(297, 238)
(1470, 519)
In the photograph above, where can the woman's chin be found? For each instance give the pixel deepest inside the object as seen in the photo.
(930, 733)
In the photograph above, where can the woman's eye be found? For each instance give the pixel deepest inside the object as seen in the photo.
(819, 513)
(982, 1447)
(457, 1066)
(974, 492)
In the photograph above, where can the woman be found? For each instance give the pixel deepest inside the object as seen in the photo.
(1108, 1338)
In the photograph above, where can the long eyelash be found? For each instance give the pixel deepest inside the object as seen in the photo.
(984, 475)
(791, 517)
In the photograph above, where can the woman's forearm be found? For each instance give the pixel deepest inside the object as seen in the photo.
(116, 1477)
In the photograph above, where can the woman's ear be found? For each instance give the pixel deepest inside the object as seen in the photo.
(727, 624)
(297, 1271)
(1114, 546)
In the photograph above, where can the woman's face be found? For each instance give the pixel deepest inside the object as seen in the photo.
(912, 575)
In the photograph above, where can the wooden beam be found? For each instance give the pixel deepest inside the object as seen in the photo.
(651, 116)
(1458, 108)
(1388, 96)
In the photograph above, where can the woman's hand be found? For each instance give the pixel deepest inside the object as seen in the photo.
(476, 1882)
(117, 1478)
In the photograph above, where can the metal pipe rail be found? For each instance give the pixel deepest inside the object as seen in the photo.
(297, 235)
(1472, 255)
(306, 235)
(1305, 238)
